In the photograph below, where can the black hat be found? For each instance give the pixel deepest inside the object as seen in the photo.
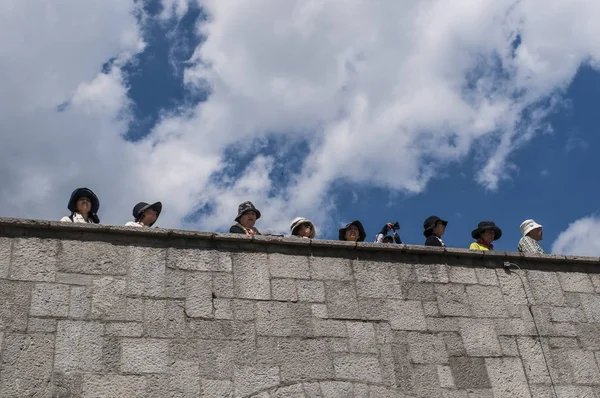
(430, 223)
(361, 231)
(140, 208)
(85, 193)
(245, 207)
(486, 226)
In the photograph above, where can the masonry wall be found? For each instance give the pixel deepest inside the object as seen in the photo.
(97, 311)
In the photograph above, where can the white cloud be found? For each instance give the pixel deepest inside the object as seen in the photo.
(380, 93)
(580, 238)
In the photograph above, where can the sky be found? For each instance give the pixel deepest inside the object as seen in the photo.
(337, 110)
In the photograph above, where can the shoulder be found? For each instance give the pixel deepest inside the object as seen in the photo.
(132, 224)
(474, 246)
(236, 230)
(66, 219)
(432, 241)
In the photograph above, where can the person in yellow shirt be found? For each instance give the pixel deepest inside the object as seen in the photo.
(485, 233)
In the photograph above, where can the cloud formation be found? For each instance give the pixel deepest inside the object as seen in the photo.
(580, 238)
(303, 95)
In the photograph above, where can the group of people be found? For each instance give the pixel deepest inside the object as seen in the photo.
(84, 205)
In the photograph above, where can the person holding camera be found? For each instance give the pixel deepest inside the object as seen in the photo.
(383, 237)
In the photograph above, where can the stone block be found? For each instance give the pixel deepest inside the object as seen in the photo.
(479, 338)
(144, 356)
(442, 324)
(377, 280)
(199, 260)
(454, 344)
(223, 309)
(329, 328)
(341, 300)
(445, 376)
(431, 273)
(175, 283)
(486, 276)
(512, 287)
(361, 337)
(304, 360)
(184, 378)
(164, 318)
(584, 367)
(469, 373)
(251, 276)
(534, 364)
(108, 298)
(406, 315)
(427, 348)
(80, 302)
(215, 358)
(336, 389)
(330, 268)
(480, 393)
(223, 284)
(283, 319)
(26, 365)
(5, 249)
(45, 325)
(146, 272)
(424, 381)
(575, 282)
(357, 367)
(464, 275)
(92, 257)
(419, 291)
(311, 291)
(288, 266)
(507, 377)
(452, 300)
(284, 289)
(244, 310)
(509, 346)
(15, 298)
(124, 329)
(34, 259)
(373, 309)
(312, 390)
(589, 336)
(79, 346)
(49, 299)
(545, 287)
(113, 386)
(74, 279)
(199, 300)
(216, 388)
(567, 314)
(222, 329)
(67, 384)
(248, 380)
(591, 307)
(293, 391)
(487, 302)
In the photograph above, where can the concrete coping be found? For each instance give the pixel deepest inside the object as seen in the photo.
(18, 227)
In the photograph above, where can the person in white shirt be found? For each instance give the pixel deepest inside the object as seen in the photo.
(532, 234)
(84, 206)
(145, 214)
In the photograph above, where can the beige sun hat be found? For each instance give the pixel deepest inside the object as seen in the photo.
(296, 222)
(529, 225)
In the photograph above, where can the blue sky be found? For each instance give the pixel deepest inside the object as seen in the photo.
(379, 113)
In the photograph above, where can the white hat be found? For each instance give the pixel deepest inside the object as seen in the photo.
(529, 225)
(300, 220)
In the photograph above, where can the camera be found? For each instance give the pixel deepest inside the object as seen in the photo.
(396, 226)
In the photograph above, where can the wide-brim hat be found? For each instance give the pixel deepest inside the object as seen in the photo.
(296, 222)
(361, 231)
(529, 225)
(140, 208)
(83, 193)
(430, 223)
(245, 207)
(486, 226)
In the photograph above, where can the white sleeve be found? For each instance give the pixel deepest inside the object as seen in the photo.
(132, 224)
(66, 219)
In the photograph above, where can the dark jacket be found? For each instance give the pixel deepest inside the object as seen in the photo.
(236, 229)
(433, 240)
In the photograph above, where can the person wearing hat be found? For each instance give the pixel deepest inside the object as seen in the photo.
(353, 232)
(532, 234)
(244, 222)
(84, 206)
(383, 237)
(434, 228)
(145, 215)
(485, 233)
(302, 228)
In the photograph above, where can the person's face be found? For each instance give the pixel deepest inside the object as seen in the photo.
(84, 205)
(439, 229)
(352, 233)
(488, 236)
(248, 219)
(305, 229)
(149, 217)
(536, 234)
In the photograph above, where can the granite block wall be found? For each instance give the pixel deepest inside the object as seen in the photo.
(100, 311)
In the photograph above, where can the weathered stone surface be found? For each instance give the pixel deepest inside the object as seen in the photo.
(251, 379)
(330, 268)
(49, 299)
(576, 282)
(361, 336)
(469, 372)
(251, 276)
(288, 266)
(14, 305)
(487, 302)
(311, 291)
(341, 300)
(146, 272)
(407, 315)
(108, 298)
(34, 259)
(113, 386)
(92, 258)
(216, 388)
(427, 348)
(26, 365)
(199, 260)
(358, 368)
(462, 275)
(546, 288)
(80, 302)
(5, 249)
(377, 280)
(507, 377)
(304, 360)
(144, 355)
(199, 300)
(79, 346)
(453, 300)
(479, 338)
(284, 290)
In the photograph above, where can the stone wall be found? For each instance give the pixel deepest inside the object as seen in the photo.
(98, 311)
